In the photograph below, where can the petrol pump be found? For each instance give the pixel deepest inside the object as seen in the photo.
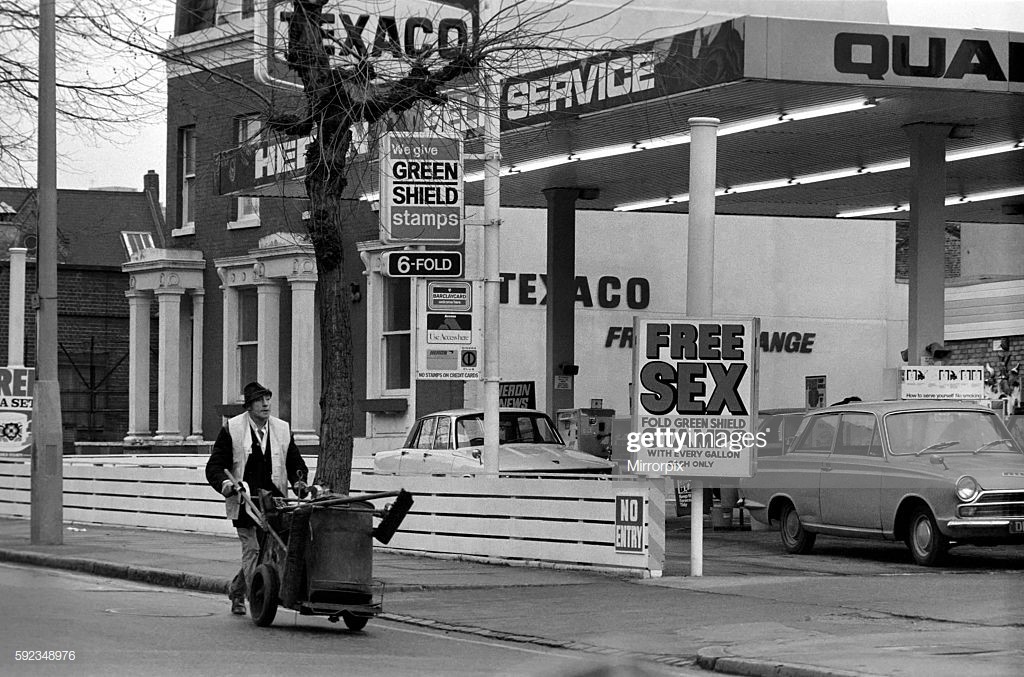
(587, 430)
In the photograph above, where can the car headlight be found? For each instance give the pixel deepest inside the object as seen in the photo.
(967, 488)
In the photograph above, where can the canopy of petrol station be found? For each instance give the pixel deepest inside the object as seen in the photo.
(814, 119)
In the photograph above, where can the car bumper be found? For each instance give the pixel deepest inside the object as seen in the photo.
(995, 530)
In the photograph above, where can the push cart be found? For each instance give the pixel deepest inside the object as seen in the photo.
(316, 556)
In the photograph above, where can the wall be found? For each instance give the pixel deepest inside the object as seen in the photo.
(92, 316)
(992, 249)
(794, 274)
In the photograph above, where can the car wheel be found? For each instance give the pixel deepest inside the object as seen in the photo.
(263, 595)
(354, 621)
(795, 539)
(926, 542)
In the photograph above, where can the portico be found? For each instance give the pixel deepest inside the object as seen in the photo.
(269, 294)
(173, 278)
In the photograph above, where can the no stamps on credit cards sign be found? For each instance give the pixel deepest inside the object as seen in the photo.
(695, 387)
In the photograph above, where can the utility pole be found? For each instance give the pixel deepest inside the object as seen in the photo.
(47, 499)
(492, 251)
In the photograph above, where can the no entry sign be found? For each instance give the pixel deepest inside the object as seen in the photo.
(421, 190)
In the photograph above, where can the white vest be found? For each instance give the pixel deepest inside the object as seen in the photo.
(279, 436)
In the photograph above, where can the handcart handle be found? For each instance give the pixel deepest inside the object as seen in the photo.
(352, 499)
(254, 511)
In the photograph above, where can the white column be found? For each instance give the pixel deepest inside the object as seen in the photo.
(169, 364)
(303, 363)
(230, 387)
(16, 315)
(268, 350)
(700, 279)
(139, 304)
(197, 364)
(185, 364)
(700, 238)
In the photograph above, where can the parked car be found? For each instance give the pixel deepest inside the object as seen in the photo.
(932, 474)
(451, 442)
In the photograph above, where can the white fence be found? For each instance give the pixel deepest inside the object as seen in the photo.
(563, 522)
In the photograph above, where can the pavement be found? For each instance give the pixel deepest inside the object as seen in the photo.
(754, 612)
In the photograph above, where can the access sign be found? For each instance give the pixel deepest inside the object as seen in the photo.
(421, 189)
(422, 263)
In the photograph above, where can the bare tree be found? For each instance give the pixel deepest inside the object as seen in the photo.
(102, 87)
(339, 97)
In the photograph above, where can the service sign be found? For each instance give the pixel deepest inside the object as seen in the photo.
(421, 189)
(16, 386)
(933, 382)
(450, 332)
(695, 407)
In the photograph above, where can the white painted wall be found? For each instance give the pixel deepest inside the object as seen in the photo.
(833, 279)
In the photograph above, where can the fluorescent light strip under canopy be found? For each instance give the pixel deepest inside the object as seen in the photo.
(952, 156)
(665, 142)
(950, 201)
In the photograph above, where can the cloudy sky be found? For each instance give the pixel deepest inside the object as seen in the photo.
(124, 162)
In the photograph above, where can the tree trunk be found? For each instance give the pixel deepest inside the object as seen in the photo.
(324, 185)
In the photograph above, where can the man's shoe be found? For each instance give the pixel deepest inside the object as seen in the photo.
(238, 607)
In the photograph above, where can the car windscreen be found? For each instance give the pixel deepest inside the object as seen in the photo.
(513, 427)
(934, 431)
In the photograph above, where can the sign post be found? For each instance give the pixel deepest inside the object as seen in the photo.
(695, 403)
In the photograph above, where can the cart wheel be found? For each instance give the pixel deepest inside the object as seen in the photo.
(354, 621)
(263, 595)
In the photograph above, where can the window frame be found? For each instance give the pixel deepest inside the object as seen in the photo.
(187, 184)
(841, 449)
(247, 130)
(396, 341)
(805, 429)
(248, 301)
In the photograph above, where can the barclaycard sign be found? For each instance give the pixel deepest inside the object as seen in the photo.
(389, 34)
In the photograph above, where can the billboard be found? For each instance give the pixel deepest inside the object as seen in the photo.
(695, 398)
(421, 189)
(16, 384)
(932, 382)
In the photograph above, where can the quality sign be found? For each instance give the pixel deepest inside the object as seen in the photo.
(695, 386)
(421, 189)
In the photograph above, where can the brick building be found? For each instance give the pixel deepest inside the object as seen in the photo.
(92, 308)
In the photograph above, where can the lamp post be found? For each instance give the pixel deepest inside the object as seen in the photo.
(47, 500)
